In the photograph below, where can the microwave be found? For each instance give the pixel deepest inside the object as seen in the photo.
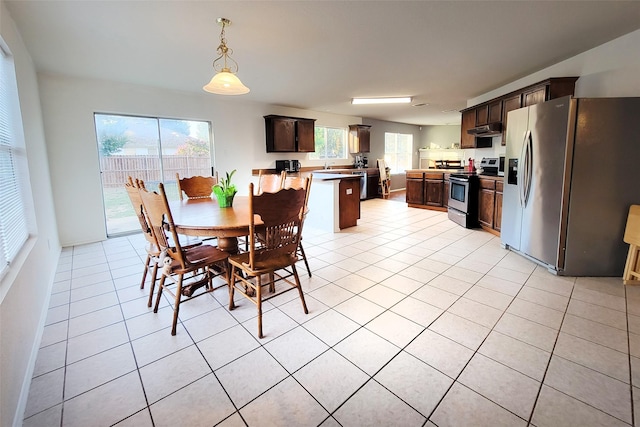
(287, 165)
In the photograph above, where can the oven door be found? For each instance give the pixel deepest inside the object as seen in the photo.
(459, 193)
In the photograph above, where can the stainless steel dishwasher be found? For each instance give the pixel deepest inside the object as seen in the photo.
(363, 183)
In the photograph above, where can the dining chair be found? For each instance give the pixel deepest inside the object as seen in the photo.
(152, 250)
(281, 214)
(196, 187)
(270, 182)
(385, 180)
(297, 182)
(189, 269)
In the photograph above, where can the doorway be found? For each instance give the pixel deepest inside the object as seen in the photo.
(148, 148)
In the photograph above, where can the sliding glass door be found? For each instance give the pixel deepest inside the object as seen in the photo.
(151, 149)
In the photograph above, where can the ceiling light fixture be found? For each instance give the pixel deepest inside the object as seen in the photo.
(225, 82)
(396, 100)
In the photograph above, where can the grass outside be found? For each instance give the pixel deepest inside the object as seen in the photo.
(118, 207)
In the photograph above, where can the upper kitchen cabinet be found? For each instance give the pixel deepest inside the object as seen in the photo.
(496, 110)
(548, 89)
(359, 139)
(509, 104)
(489, 113)
(468, 121)
(289, 134)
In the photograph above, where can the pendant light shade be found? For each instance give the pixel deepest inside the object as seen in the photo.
(225, 82)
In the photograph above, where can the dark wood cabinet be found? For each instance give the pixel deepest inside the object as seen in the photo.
(446, 192)
(373, 184)
(349, 202)
(495, 111)
(306, 136)
(534, 96)
(490, 112)
(289, 134)
(482, 115)
(490, 204)
(509, 104)
(426, 189)
(486, 202)
(497, 212)
(359, 138)
(468, 122)
(433, 192)
(414, 188)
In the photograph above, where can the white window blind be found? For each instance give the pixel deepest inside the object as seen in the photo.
(13, 224)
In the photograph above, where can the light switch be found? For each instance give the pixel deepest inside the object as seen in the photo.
(349, 191)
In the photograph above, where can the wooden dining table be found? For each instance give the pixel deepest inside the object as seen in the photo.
(204, 218)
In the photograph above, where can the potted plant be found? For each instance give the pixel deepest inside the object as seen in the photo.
(225, 190)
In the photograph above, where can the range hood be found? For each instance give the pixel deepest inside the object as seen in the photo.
(486, 130)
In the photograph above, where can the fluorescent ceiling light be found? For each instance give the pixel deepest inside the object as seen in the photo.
(397, 100)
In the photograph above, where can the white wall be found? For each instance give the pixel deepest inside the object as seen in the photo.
(443, 135)
(69, 104)
(28, 284)
(609, 70)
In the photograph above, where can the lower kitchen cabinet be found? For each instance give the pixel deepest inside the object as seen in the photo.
(446, 192)
(433, 192)
(373, 185)
(414, 190)
(497, 213)
(490, 204)
(425, 190)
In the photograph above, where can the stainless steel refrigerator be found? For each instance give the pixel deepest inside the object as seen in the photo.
(572, 169)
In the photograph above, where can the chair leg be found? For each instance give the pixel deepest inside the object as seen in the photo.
(160, 286)
(231, 281)
(176, 307)
(272, 282)
(295, 275)
(304, 258)
(146, 269)
(154, 277)
(259, 304)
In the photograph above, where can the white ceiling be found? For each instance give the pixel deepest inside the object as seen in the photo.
(317, 55)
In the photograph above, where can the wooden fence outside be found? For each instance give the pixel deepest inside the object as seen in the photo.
(116, 169)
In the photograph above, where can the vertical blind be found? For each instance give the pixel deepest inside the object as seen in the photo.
(13, 223)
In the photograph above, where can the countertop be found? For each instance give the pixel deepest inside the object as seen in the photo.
(329, 176)
(369, 171)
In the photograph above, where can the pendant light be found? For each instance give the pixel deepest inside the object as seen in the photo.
(225, 82)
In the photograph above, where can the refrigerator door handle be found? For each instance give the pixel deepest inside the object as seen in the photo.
(528, 167)
(523, 173)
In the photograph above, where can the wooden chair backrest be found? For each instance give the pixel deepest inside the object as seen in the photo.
(382, 167)
(161, 223)
(136, 202)
(195, 187)
(297, 182)
(281, 214)
(271, 182)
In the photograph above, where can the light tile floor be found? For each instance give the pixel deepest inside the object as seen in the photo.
(412, 320)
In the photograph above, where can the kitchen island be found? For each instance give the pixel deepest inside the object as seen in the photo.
(334, 201)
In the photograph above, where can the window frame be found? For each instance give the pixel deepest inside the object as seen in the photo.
(345, 153)
(391, 159)
(16, 222)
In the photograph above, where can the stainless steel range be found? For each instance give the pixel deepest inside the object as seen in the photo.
(463, 200)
